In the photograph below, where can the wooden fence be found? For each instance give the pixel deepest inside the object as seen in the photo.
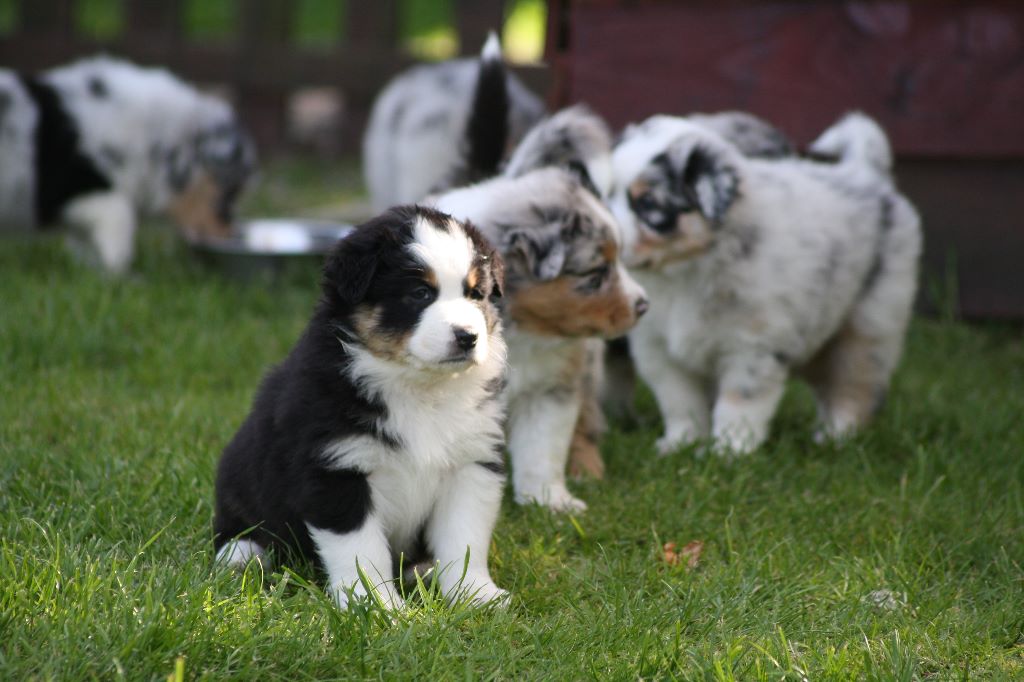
(262, 63)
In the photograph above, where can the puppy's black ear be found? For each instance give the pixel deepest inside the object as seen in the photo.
(708, 182)
(542, 255)
(350, 267)
(580, 172)
(497, 267)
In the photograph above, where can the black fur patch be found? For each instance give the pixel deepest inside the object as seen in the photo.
(62, 172)
(487, 129)
(885, 208)
(496, 467)
(98, 88)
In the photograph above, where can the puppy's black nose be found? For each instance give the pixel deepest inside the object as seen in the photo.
(641, 306)
(464, 339)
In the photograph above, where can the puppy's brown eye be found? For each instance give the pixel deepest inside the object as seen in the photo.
(593, 279)
(421, 294)
(476, 294)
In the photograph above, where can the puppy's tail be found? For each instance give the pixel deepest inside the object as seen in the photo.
(487, 127)
(855, 138)
(575, 138)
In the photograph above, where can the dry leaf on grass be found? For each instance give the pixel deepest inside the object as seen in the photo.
(689, 554)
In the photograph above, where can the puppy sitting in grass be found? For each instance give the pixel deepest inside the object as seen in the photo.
(381, 432)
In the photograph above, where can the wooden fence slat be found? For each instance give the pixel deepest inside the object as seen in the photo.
(53, 18)
(266, 27)
(474, 19)
(373, 24)
(161, 20)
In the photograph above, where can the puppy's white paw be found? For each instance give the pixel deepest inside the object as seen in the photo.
(555, 497)
(389, 598)
(488, 593)
(677, 436)
(732, 445)
(667, 445)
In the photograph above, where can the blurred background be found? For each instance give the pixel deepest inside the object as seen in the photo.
(945, 78)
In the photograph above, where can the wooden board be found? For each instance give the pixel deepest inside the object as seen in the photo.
(946, 78)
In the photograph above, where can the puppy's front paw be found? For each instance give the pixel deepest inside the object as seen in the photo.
(384, 594)
(731, 445)
(488, 593)
(677, 436)
(555, 497)
(667, 445)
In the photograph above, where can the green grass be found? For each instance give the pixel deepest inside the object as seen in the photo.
(117, 397)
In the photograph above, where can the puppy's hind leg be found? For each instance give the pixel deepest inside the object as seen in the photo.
(851, 374)
(108, 221)
(237, 553)
(584, 455)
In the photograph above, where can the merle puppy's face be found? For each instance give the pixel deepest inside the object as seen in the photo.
(417, 287)
(565, 275)
(672, 194)
(208, 178)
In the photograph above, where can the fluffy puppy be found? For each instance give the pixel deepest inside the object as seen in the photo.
(93, 143)
(381, 432)
(753, 136)
(443, 125)
(565, 285)
(757, 269)
(578, 140)
(574, 138)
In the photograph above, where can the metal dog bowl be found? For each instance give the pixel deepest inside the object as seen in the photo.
(270, 246)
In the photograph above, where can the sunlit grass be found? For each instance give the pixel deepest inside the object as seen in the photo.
(118, 395)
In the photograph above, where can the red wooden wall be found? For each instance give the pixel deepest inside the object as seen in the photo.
(945, 78)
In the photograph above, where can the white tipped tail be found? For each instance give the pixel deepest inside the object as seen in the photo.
(492, 47)
(855, 138)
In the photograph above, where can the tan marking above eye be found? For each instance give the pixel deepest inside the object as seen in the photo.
(473, 278)
(610, 251)
(638, 188)
(430, 278)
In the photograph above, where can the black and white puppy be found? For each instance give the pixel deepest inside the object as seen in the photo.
(444, 125)
(94, 143)
(381, 432)
(758, 269)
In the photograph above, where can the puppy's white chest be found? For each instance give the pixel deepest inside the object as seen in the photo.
(403, 498)
(677, 320)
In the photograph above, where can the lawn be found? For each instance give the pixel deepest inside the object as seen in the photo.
(897, 555)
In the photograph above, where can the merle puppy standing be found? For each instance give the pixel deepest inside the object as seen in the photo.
(381, 432)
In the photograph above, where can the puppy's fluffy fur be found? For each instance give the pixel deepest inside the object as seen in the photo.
(93, 143)
(443, 125)
(380, 433)
(762, 268)
(566, 285)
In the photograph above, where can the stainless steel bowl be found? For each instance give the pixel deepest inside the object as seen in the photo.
(268, 247)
